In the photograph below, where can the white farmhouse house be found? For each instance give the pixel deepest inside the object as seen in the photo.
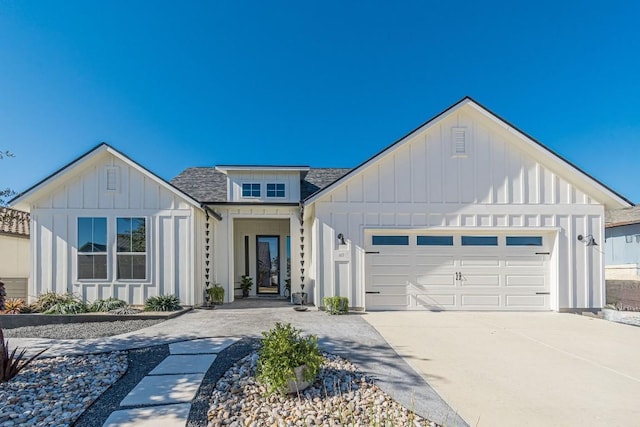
(466, 212)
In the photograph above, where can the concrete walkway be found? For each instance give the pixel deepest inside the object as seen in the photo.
(348, 336)
(163, 398)
(514, 369)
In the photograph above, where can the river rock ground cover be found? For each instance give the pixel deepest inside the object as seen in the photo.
(341, 396)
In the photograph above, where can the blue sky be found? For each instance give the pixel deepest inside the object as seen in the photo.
(179, 84)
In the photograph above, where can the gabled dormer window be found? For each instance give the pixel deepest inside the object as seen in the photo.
(250, 190)
(275, 190)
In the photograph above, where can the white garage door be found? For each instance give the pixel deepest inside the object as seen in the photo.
(410, 270)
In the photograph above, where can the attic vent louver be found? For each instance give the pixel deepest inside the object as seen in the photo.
(112, 178)
(458, 141)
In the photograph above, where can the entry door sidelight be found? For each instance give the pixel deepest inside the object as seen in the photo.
(268, 264)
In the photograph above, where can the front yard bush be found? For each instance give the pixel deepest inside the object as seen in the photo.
(162, 303)
(284, 349)
(104, 305)
(336, 305)
(68, 307)
(48, 299)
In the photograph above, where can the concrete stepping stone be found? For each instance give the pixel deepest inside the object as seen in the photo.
(201, 346)
(184, 364)
(164, 389)
(165, 416)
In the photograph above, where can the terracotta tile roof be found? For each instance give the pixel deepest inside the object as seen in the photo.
(14, 222)
(620, 217)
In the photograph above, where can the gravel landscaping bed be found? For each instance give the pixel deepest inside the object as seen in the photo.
(141, 362)
(80, 330)
(341, 395)
(56, 391)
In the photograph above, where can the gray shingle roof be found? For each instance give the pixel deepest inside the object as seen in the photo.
(207, 185)
(620, 217)
(318, 178)
(14, 222)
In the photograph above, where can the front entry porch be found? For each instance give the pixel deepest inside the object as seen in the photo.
(262, 251)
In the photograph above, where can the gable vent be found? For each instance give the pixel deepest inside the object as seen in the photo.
(112, 178)
(458, 141)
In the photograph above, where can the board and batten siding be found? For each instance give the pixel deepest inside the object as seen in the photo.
(500, 184)
(291, 180)
(171, 246)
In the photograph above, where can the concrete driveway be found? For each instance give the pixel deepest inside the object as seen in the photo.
(535, 369)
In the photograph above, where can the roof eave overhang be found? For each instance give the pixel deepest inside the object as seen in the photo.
(614, 199)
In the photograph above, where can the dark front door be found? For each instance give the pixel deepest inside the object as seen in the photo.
(268, 265)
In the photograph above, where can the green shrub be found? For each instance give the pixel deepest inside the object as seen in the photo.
(10, 363)
(162, 303)
(336, 305)
(68, 307)
(123, 311)
(283, 350)
(216, 294)
(104, 305)
(13, 306)
(48, 299)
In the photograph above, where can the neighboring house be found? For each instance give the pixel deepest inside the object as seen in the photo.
(466, 212)
(622, 247)
(14, 252)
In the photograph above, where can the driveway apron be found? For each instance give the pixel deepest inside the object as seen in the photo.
(506, 369)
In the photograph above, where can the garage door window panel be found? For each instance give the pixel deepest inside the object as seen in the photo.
(479, 241)
(435, 241)
(390, 240)
(524, 241)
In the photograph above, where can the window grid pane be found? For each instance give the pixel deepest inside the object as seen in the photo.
(92, 248)
(131, 260)
(275, 190)
(250, 190)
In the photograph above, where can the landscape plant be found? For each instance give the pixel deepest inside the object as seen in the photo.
(10, 363)
(283, 350)
(124, 311)
(104, 305)
(246, 283)
(74, 306)
(216, 294)
(47, 300)
(336, 305)
(162, 303)
(13, 306)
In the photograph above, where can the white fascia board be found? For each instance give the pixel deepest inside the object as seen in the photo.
(23, 199)
(240, 168)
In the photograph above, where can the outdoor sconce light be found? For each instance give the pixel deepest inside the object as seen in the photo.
(588, 239)
(341, 239)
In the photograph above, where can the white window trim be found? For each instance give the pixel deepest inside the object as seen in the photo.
(242, 196)
(145, 253)
(266, 191)
(76, 272)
